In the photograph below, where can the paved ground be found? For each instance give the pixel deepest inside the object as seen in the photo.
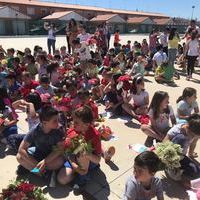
(107, 183)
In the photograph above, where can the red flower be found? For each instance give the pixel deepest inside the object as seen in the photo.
(124, 78)
(18, 196)
(26, 187)
(67, 143)
(144, 119)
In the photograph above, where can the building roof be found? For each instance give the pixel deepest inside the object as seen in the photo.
(79, 7)
(57, 15)
(162, 21)
(65, 16)
(136, 20)
(7, 12)
(103, 17)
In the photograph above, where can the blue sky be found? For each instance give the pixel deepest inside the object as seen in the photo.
(175, 8)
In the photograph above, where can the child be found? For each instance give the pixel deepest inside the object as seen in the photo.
(145, 47)
(30, 66)
(13, 87)
(138, 67)
(36, 150)
(164, 73)
(186, 134)
(83, 119)
(8, 122)
(42, 62)
(85, 99)
(160, 112)
(186, 104)
(116, 38)
(28, 84)
(143, 184)
(52, 70)
(45, 87)
(136, 103)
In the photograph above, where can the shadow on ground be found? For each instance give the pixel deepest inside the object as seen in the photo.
(173, 189)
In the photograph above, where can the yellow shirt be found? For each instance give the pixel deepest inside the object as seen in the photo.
(173, 44)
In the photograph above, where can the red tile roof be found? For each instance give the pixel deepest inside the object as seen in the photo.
(136, 20)
(103, 18)
(162, 21)
(57, 15)
(75, 7)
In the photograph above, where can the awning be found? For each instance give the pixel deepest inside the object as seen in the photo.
(9, 13)
(109, 18)
(65, 16)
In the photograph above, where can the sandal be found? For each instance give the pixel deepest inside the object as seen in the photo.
(109, 153)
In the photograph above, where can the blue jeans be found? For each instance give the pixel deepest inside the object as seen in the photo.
(172, 56)
(51, 43)
(182, 141)
(82, 179)
(12, 130)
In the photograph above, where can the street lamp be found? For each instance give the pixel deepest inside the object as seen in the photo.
(193, 7)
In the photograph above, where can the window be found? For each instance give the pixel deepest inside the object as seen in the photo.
(30, 11)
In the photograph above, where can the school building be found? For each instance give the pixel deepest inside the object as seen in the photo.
(27, 17)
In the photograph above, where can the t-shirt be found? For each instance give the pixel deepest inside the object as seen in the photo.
(51, 34)
(93, 136)
(83, 52)
(84, 37)
(32, 69)
(139, 99)
(164, 39)
(173, 44)
(160, 57)
(134, 190)
(162, 122)
(193, 49)
(138, 69)
(42, 90)
(178, 130)
(44, 142)
(185, 108)
(26, 89)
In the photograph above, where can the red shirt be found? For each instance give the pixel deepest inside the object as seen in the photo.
(26, 89)
(91, 135)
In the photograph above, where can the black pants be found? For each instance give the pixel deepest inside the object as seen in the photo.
(68, 44)
(51, 43)
(165, 49)
(190, 64)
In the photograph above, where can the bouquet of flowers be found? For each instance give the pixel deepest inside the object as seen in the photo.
(19, 190)
(105, 132)
(170, 154)
(124, 82)
(61, 103)
(76, 143)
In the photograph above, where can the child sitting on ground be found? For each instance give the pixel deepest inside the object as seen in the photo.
(83, 119)
(143, 184)
(186, 134)
(160, 113)
(136, 103)
(8, 121)
(36, 150)
(186, 104)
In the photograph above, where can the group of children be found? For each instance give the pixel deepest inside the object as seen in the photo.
(60, 92)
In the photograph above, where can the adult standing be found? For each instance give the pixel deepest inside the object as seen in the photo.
(192, 51)
(164, 40)
(192, 27)
(173, 41)
(153, 41)
(51, 40)
(71, 32)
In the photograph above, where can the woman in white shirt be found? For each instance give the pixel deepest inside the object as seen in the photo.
(192, 52)
(51, 40)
